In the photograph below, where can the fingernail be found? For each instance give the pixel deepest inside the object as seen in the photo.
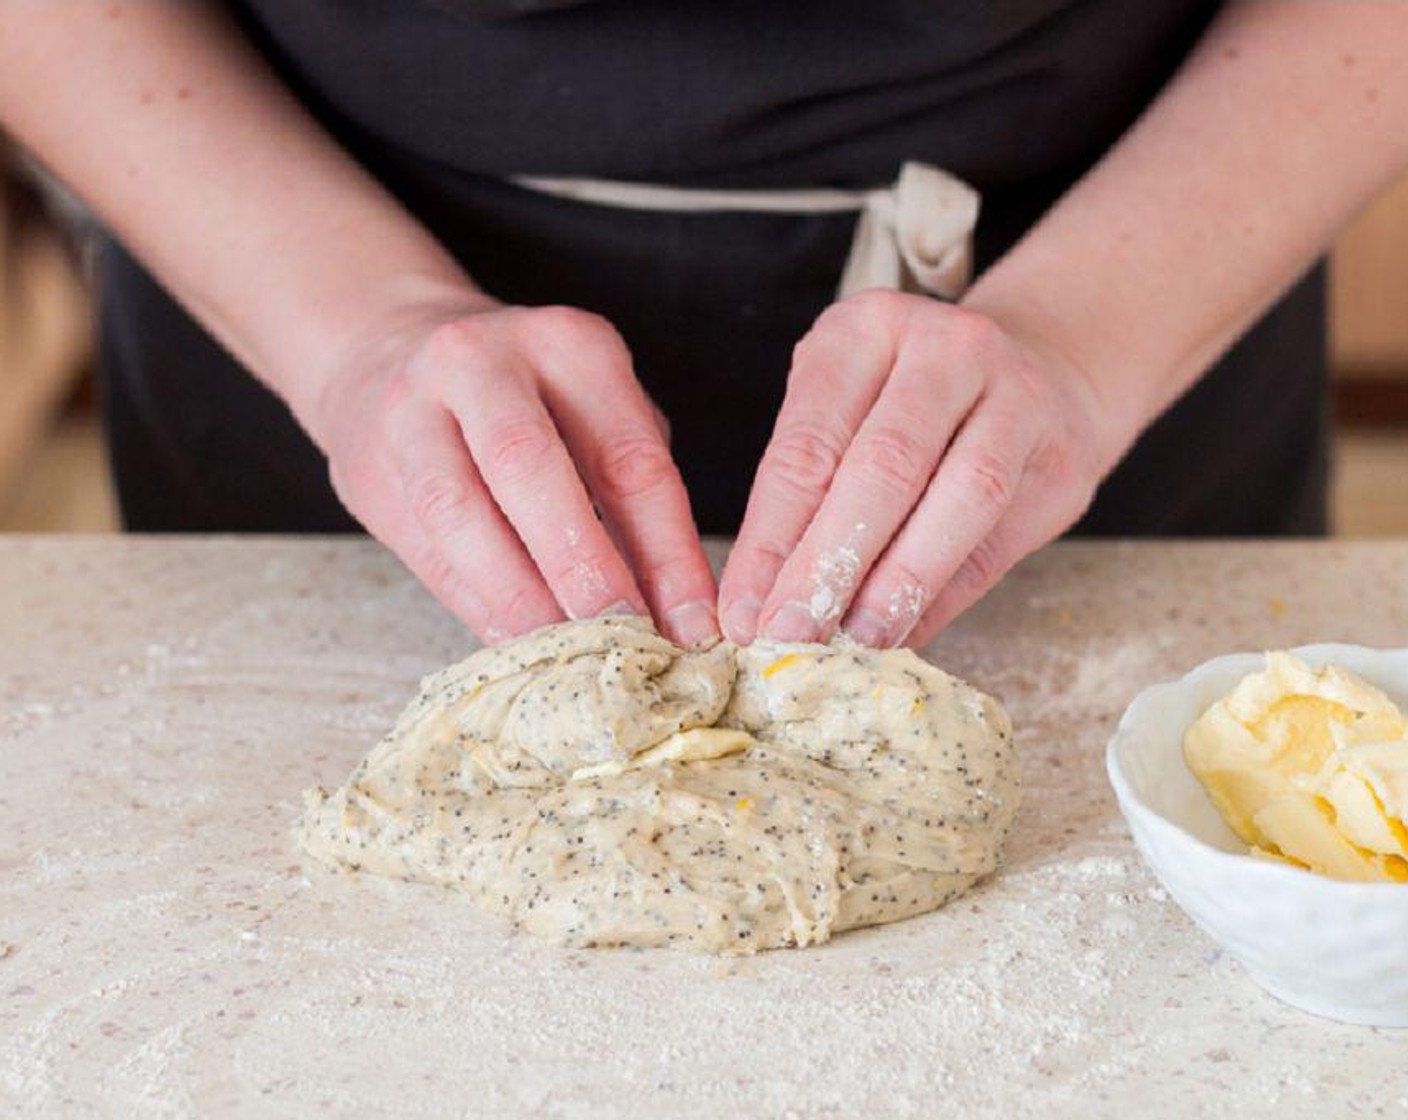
(692, 623)
(792, 622)
(867, 628)
(741, 620)
(621, 606)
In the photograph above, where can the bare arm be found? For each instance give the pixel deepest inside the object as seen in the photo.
(931, 447)
(165, 120)
(458, 431)
(1289, 117)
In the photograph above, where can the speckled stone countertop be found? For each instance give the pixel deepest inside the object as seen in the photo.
(163, 952)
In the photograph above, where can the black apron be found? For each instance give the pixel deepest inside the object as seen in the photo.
(444, 99)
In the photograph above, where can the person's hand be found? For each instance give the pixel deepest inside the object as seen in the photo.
(920, 452)
(479, 447)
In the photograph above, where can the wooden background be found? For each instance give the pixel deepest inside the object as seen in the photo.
(1369, 327)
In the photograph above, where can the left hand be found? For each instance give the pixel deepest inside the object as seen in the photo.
(921, 451)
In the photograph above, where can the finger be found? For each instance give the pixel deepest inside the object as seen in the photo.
(661, 421)
(883, 473)
(969, 494)
(1042, 509)
(836, 374)
(434, 569)
(520, 456)
(610, 429)
(1021, 531)
(390, 520)
(454, 537)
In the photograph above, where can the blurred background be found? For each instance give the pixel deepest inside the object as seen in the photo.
(53, 472)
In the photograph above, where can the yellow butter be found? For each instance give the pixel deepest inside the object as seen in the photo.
(698, 744)
(781, 663)
(1384, 768)
(1359, 815)
(1302, 827)
(1311, 766)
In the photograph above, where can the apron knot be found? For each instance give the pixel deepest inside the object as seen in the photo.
(915, 235)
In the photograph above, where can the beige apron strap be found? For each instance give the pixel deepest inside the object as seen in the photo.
(686, 200)
(915, 236)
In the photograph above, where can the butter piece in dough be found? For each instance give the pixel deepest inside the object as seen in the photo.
(698, 744)
(599, 786)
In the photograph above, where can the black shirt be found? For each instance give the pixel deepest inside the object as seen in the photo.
(443, 100)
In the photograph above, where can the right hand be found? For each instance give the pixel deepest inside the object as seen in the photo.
(479, 447)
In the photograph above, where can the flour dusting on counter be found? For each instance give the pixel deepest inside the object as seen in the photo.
(168, 956)
(600, 786)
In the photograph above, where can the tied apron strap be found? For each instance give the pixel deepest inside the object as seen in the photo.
(914, 236)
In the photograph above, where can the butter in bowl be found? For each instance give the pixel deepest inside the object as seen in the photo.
(1310, 767)
(1268, 793)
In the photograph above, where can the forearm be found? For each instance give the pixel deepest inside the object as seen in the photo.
(1286, 119)
(175, 131)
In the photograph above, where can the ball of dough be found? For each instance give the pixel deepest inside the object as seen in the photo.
(598, 785)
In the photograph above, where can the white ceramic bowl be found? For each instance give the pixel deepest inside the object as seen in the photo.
(1333, 948)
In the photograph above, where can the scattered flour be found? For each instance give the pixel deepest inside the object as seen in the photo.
(834, 579)
(133, 990)
(906, 606)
